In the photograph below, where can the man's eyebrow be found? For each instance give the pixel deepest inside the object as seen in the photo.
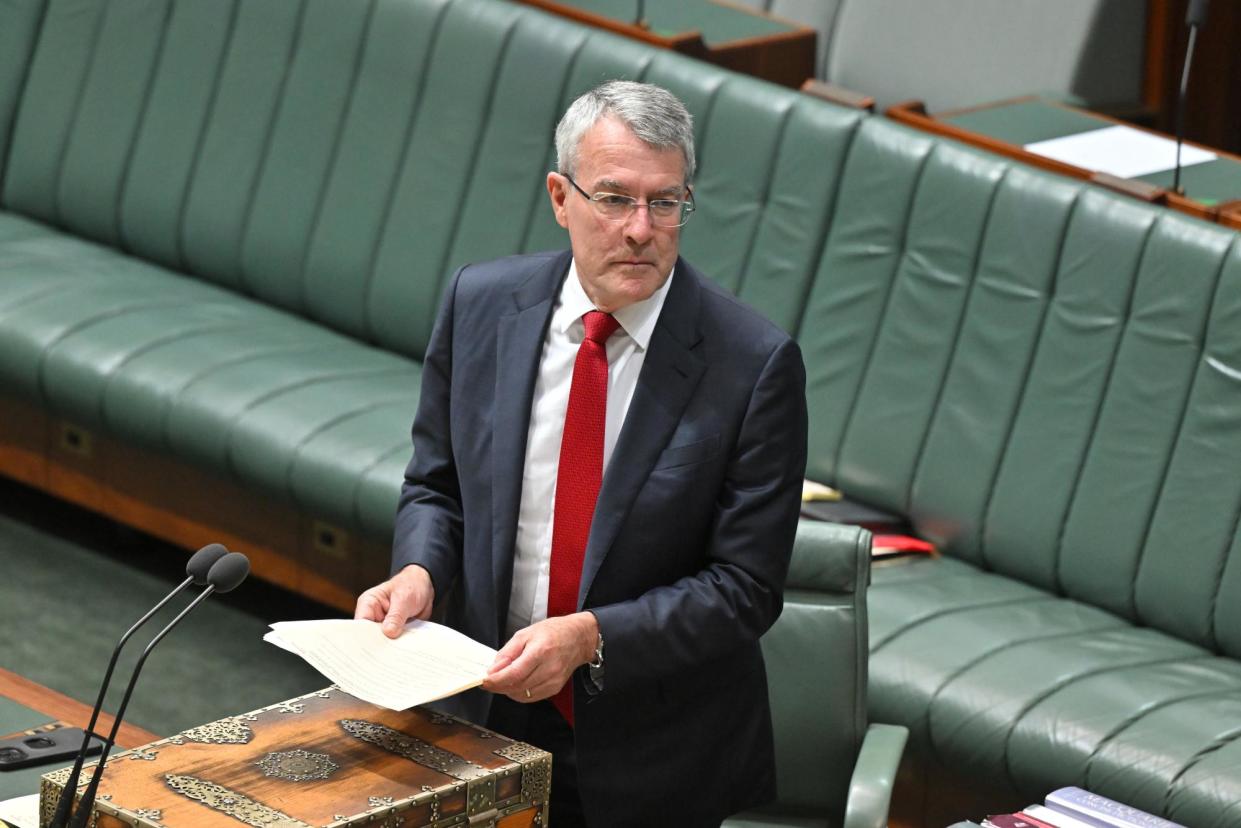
(611, 185)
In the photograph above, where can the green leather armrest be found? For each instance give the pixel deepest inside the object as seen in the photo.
(831, 557)
(870, 790)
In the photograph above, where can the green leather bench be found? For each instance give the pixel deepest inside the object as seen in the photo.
(223, 232)
(225, 228)
(1045, 379)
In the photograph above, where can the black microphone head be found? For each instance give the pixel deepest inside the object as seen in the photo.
(228, 572)
(200, 562)
(1196, 13)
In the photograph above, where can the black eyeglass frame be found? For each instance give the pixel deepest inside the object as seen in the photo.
(687, 205)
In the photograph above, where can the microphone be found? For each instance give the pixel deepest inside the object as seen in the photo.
(1195, 19)
(197, 570)
(225, 575)
(1196, 14)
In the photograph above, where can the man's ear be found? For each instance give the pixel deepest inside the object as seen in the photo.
(558, 190)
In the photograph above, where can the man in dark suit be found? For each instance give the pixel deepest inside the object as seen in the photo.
(608, 456)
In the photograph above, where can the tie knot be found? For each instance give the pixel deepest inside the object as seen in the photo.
(599, 326)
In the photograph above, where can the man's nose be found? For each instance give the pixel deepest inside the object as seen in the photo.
(638, 226)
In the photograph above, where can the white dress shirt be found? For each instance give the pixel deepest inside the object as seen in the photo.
(626, 352)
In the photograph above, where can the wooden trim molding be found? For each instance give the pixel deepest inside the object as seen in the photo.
(60, 707)
(786, 57)
(187, 505)
(688, 43)
(914, 114)
(838, 95)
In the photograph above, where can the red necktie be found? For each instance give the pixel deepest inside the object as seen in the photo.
(579, 475)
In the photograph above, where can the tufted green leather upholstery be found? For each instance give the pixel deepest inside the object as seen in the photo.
(224, 228)
(321, 168)
(1045, 378)
(17, 39)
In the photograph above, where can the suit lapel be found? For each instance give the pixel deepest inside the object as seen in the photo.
(519, 343)
(670, 373)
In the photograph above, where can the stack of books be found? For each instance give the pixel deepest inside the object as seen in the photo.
(1078, 808)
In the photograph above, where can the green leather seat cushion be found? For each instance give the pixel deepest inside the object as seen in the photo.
(1015, 685)
(259, 395)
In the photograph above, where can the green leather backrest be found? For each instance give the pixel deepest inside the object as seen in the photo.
(340, 160)
(17, 38)
(1036, 372)
(816, 657)
(969, 52)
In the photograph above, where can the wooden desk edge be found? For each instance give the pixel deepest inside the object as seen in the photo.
(914, 114)
(688, 43)
(70, 711)
(838, 94)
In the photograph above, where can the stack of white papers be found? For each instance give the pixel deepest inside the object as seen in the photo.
(22, 812)
(427, 662)
(1119, 150)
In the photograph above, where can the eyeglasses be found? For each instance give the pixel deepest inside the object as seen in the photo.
(664, 212)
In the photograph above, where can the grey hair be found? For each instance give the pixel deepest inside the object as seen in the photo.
(651, 112)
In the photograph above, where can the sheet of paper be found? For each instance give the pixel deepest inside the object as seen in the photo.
(1120, 150)
(21, 812)
(427, 662)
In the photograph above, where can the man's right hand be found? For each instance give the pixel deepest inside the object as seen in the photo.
(407, 594)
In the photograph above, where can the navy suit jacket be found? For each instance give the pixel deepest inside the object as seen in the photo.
(689, 545)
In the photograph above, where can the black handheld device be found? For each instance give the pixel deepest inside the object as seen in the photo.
(45, 746)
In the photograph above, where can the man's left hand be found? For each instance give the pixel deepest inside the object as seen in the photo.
(537, 661)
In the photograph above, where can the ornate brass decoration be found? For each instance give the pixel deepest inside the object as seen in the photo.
(229, 802)
(59, 777)
(480, 796)
(143, 754)
(151, 815)
(290, 705)
(232, 731)
(519, 752)
(49, 795)
(378, 801)
(536, 770)
(443, 719)
(414, 749)
(297, 765)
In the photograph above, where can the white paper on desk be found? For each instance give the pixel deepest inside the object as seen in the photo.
(22, 811)
(1119, 150)
(427, 662)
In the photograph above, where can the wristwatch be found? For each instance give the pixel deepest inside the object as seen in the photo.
(597, 663)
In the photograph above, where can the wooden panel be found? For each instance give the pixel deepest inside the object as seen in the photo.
(60, 707)
(23, 437)
(1213, 114)
(185, 505)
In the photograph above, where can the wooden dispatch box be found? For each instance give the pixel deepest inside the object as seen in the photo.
(324, 759)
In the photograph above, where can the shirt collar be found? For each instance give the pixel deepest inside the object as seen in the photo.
(637, 320)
